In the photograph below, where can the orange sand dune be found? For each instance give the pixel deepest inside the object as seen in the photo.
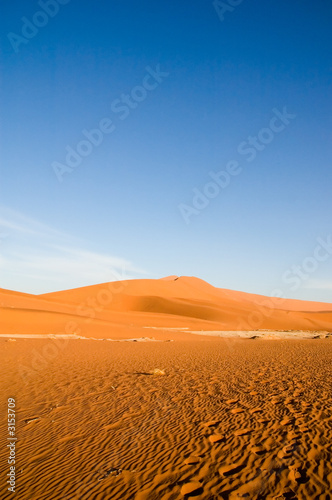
(199, 418)
(119, 309)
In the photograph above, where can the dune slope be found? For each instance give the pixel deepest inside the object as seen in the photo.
(123, 308)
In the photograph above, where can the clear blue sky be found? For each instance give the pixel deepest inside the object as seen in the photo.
(128, 208)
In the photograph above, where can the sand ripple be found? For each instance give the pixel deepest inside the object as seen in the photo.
(251, 421)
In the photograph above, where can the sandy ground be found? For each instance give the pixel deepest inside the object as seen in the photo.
(173, 335)
(166, 389)
(231, 418)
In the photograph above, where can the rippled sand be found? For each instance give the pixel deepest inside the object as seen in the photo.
(231, 418)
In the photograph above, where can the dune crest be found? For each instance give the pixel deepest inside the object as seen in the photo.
(172, 302)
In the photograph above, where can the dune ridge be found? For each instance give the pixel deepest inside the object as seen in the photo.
(183, 302)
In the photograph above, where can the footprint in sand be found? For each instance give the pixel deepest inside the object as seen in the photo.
(216, 438)
(287, 421)
(255, 410)
(211, 423)
(228, 470)
(263, 420)
(242, 432)
(237, 410)
(192, 488)
(192, 460)
(115, 425)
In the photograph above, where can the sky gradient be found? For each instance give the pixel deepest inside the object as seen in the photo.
(175, 93)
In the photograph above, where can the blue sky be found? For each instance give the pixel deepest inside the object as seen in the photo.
(179, 90)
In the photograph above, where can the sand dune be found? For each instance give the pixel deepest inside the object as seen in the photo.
(105, 412)
(126, 306)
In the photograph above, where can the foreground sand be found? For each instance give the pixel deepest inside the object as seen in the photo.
(238, 418)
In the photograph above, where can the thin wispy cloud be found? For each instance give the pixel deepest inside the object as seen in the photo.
(20, 223)
(37, 258)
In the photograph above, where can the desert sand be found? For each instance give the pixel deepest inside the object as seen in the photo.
(158, 396)
(173, 305)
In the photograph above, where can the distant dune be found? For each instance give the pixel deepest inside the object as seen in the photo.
(121, 309)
